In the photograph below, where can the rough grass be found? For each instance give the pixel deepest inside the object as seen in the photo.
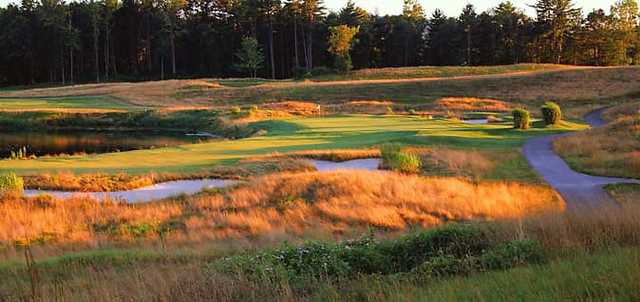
(281, 206)
(625, 194)
(534, 87)
(300, 134)
(81, 104)
(472, 104)
(611, 151)
(100, 182)
(591, 257)
(434, 72)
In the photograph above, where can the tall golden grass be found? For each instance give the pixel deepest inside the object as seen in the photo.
(282, 205)
(472, 104)
(613, 150)
(191, 279)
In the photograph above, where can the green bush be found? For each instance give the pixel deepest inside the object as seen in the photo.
(521, 119)
(551, 113)
(453, 240)
(512, 254)
(10, 182)
(446, 265)
(394, 159)
(455, 249)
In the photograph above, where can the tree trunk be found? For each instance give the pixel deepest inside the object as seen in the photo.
(310, 48)
(162, 68)
(295, 42)
(271, 56)
(106, 49)
(96, 34)
(173, 53)
(71, 65)
(62, 63)
(304, 49)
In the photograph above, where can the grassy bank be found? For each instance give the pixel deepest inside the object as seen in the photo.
(528, 84)
(337, 132)
(433, 72)
(66, 104)
(607, 151)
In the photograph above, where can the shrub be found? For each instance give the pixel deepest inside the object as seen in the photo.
(10, 182)
(343, 64)
(394, 159)
(521, 119)
(453, 240)
(551, 113)
(512, 254)
(236, 110)
(446, 265)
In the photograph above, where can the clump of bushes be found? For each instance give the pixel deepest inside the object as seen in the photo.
(10, 182)
(395, 159)
(521, 119)
(450, 250)
(551, 113)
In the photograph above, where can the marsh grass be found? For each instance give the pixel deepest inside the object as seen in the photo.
(280, 206)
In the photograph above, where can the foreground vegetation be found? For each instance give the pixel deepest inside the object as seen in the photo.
(608, 151)
(550, 257)
(281, 205)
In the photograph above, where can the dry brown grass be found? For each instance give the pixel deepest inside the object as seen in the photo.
(98, 182)
(613, 150)
(628, 195)
(472, 104)
(621, 111)
(300, 108)
(87, 182)
(566, 84)
(148, 94)
(361, 107)
(283, 205)
(335, 155)
(562, 235)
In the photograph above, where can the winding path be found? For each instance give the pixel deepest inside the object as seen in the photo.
(580, 191)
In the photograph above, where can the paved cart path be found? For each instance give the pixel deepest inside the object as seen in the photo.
(579, 190)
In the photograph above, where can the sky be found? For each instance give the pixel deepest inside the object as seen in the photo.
(450, 7)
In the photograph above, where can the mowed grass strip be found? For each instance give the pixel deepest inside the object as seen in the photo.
(73, 104)
(339, 132)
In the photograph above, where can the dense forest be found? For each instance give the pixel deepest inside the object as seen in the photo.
(87, 41)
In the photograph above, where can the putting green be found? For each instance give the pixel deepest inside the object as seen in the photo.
(354, 131)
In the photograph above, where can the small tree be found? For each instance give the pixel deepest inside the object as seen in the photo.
(250, 55)
(521, 119)
(551, 113)
(341, 41)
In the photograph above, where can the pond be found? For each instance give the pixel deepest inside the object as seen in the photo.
(174, 188)
(74, 142)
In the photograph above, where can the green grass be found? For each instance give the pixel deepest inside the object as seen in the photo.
(65, 103)
(433, 72)
(339, 132)
(605, 276)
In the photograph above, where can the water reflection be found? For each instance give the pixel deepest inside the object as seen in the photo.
(73, 142)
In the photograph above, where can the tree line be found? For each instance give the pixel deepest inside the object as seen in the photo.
(51, 41)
